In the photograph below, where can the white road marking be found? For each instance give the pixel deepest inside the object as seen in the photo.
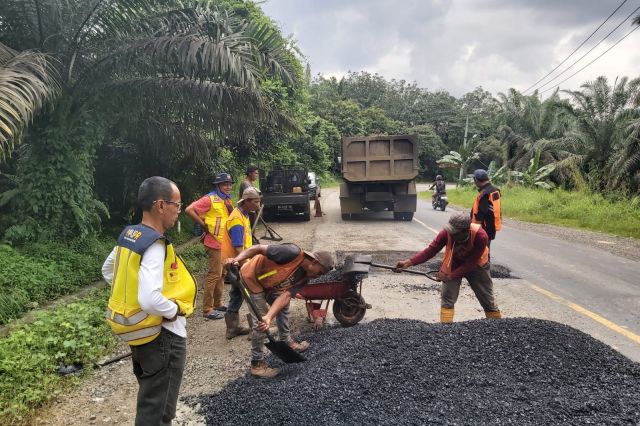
(435, 231)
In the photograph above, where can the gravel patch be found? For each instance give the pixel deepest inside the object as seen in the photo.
(512, 371)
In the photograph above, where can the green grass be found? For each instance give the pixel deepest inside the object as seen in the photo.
(72, 334)
(574, 209)
(330, 181)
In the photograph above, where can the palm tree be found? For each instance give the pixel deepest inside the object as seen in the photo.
(603, 114)
(167, 76)
(27, 81)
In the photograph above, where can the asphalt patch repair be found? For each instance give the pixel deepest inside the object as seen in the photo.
(512, 371)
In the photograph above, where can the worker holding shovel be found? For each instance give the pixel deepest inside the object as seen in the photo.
(272, 276)
(466, 255)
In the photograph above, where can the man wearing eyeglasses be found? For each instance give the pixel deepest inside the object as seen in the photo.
(151, 294)
(211, 212)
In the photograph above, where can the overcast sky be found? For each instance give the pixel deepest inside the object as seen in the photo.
(458, 45)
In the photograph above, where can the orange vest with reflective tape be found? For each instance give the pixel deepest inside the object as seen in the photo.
(494, 199)
(466, 249)
(263, 274)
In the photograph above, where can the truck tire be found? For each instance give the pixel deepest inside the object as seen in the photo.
(349, 310)
(307, 213)
(346, 216)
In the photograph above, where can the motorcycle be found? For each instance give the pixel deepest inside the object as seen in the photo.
(440, 202)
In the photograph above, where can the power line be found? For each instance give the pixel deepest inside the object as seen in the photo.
(598, 57)
(577, 48)
(590, 50)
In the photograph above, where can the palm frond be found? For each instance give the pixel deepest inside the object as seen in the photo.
(27, 81)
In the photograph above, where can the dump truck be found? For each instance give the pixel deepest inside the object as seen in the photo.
(285, 192)
(379, 174)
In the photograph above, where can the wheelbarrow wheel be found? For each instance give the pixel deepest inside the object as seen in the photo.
(349, 310)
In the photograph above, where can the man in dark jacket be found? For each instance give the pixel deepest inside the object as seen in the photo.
(486, 207)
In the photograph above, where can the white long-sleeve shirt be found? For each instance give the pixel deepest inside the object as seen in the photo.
(150, 281)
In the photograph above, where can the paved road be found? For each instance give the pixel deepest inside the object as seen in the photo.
(582, 286)
(602, 283)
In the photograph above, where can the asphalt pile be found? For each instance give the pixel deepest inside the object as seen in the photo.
(511, 371)
(331, 276)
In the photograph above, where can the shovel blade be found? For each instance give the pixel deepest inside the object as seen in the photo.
(284, 352)
(351, 267)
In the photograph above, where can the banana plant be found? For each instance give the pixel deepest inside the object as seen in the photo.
(459, 159)
(536, 175)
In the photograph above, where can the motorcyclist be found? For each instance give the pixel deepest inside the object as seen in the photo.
(440, 188)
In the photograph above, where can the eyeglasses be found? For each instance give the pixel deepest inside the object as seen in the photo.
(177, 204)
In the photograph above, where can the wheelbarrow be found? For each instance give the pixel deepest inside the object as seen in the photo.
(342, 286)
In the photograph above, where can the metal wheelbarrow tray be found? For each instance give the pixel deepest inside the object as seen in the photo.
(344, 287)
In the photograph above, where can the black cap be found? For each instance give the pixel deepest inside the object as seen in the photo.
(222, 178)
(481, 175)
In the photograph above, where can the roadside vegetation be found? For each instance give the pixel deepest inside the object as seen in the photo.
(74, 334)
(97, 96)
(575, 209)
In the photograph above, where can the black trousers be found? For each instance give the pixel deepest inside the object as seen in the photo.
(158, 366)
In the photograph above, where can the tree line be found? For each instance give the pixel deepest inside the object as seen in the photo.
(96, 96)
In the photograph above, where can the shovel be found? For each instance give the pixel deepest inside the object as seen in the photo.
(365, 259)
(278, 348)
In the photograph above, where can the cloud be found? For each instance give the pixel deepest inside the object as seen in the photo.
(457, 45)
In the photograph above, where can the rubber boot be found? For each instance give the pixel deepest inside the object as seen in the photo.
(233, 325)
(262, 370)
(446, 315)
(493, 314)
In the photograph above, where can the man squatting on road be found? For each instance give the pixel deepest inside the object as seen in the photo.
(466, 255)
(274, 274)
(151, 294)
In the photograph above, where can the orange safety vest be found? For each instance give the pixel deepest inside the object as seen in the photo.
(216, 217)
(236, 218)
(263, 274)
(448, 252)
(494, 199)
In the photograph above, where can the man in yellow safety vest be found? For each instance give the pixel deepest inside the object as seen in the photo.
(151, 294)
(238, 237)
(211, 212)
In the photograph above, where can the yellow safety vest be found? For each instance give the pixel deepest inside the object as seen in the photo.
(236, 218)
(127, 320)
(216, 217)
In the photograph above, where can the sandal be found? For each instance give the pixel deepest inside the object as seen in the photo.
(214, 315)
(221, 308)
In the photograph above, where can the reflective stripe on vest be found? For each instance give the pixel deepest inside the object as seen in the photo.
(124, 314)
(494, 206)
(147, 334)
(122, 320)
(236, 218)
(447, 260)
(216, 217)
(260, 273)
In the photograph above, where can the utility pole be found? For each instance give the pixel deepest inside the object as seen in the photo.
(464, 148)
